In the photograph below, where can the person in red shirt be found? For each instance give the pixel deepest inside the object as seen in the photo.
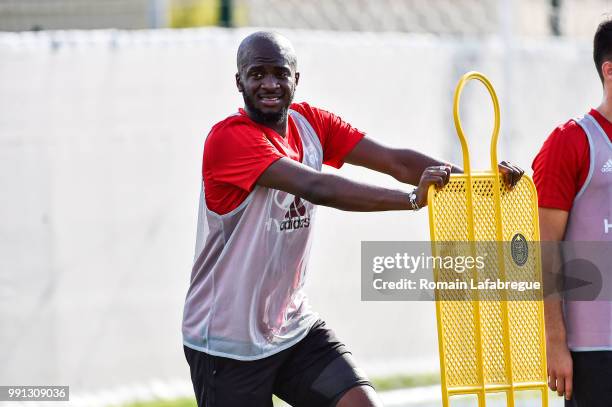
(573, 177)
(252, 147)
(247, 329)
(561, 166)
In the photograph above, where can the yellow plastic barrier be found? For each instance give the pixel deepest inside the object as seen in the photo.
(489, 343)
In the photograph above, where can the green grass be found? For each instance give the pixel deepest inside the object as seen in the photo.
(182, 402)
(382, 384)
(385, 383)
(402, 381)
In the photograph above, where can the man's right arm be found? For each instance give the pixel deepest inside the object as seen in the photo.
(552, 229)
(339, 192)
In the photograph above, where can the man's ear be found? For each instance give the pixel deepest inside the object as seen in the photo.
(238, 83)
(606, 70)
(297, 78)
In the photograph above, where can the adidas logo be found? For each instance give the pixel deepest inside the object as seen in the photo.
(296, 209)
(295, 218)
(607, 167)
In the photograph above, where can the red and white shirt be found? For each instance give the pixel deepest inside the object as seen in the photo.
(562, 165)
(238, 150)
(245, 298)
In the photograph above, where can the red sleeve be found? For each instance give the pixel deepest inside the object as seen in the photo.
(337, 137)
(561, 166)
(237, 154)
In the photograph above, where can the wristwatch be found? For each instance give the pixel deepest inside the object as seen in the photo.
(413, 200)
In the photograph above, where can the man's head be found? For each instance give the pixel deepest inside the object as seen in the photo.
(266, 76)
(602, 50)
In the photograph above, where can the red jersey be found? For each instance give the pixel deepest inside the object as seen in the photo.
(562, 165)
(238, 150)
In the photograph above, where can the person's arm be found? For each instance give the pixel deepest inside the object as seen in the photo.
(407, 165)
(341, 193)
(552, 229)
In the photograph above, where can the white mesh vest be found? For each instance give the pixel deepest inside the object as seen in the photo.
(245, 299)
(589, 323)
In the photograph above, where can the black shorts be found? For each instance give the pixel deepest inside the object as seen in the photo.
(315, 372)
(591, 379)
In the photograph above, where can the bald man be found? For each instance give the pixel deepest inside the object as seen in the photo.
(248, 330)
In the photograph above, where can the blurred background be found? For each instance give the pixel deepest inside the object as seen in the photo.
(567, 18)
(104, 107)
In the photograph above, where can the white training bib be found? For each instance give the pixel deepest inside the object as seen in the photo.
(245, 299)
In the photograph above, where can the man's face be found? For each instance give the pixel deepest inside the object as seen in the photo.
(267, 82)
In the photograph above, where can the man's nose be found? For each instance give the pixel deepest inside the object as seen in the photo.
(270, 82)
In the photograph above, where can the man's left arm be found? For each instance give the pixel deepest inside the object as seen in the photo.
(406, 165)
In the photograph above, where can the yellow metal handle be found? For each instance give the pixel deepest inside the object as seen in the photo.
(464, 147)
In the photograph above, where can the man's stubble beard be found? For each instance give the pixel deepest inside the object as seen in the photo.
(266, 118)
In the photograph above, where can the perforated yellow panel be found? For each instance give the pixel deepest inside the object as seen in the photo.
(489, 341)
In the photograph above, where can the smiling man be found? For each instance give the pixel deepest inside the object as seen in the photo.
(247, 328)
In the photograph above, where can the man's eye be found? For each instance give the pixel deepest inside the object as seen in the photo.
(257, 75)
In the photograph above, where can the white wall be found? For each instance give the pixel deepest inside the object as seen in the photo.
(100, 148)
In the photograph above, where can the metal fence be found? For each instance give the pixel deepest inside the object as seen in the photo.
(573, 18)
(437, 16)
(21, 15)
(530, 18)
